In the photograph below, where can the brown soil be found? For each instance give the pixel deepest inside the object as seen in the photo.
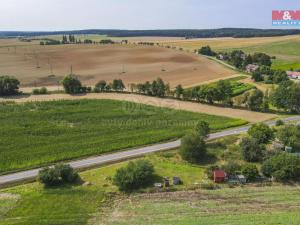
(31, 64)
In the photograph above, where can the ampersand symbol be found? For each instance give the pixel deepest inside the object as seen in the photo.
(286, 15)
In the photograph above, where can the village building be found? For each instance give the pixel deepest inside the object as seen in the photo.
(293, 75)
(219, 176)
(250, 68)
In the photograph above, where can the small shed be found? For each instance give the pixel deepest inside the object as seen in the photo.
(219, 176)
(158, 185)
(288, 149)
(177, 181)
(242, 179)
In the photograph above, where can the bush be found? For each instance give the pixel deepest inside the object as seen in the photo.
(282, 167)
(252, 150)
(209, 185)
(101, 86)
(232, 168)
(118, 85)
(49, 177)
(261, 132)
(193, 148)
(250, 171)
(134, 175)
(59, 174)
(209, 171)
(206, 50)
(279, 123)
(202, 129)
(41, 91)
(67, 173)
(288, 135)
(72, 84)
(9, 86)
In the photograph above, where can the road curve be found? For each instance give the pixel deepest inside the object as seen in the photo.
(30, 175)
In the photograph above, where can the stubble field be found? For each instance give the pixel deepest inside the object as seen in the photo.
(36, 65)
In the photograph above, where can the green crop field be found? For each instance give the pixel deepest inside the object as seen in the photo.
(101, 203)
(238, 87)
(35, 134)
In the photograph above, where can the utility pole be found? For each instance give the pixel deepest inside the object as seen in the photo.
(50, 66)
(71, 69)
(123, 68)
(51, 69)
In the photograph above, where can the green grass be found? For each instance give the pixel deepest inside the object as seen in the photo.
(35, 134)
(101, 203)
(32, 204)
(238, 206)
(238, 87)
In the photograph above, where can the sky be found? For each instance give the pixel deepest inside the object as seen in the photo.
(51, 15)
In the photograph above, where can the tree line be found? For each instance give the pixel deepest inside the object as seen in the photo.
(285, 97)
(188, 33)
(70, 39)
(240, 60)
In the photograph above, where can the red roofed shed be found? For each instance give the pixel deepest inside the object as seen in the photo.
(219, 176)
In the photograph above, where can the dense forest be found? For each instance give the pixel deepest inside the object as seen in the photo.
(195, 33)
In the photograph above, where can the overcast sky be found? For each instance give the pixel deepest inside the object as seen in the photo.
(48, 15)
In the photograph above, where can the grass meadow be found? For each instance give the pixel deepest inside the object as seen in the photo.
(238, 87)
(286, 48)
(101, 203)
(40, 133)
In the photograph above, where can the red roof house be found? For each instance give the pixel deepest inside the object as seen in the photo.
(219, 176)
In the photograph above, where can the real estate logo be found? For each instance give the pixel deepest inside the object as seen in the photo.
(286, 17)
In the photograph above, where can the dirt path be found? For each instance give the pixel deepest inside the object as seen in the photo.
(169, 103)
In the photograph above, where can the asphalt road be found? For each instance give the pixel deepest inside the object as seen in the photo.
(30, 175)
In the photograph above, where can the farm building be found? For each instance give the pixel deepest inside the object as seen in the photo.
(251, 68)
(219, 176)
(293, 75)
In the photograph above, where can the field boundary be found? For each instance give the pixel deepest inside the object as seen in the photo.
(235, 113)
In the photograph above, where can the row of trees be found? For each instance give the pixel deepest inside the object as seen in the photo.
(156, 88)
(68, 39)
(220, 92)
(269, 76)
(238, 58)
(285, 97)
(72, 85)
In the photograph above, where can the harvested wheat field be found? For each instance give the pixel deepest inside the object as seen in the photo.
(33, 64)
(228, 42)
(159, 102)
